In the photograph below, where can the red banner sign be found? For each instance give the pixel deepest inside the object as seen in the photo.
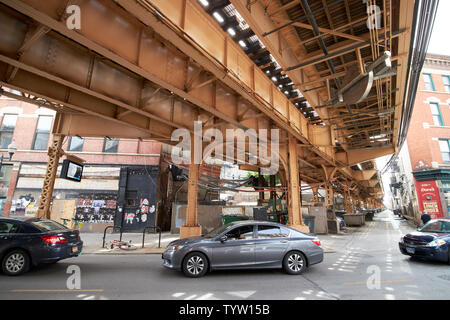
(429, 198)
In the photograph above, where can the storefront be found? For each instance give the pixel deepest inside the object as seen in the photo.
(433, 192)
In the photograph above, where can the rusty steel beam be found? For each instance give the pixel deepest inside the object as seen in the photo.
(112, 74)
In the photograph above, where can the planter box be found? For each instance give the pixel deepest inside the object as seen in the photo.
(354, 219)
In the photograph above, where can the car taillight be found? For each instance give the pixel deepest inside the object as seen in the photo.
(316, 241)
(54, 239)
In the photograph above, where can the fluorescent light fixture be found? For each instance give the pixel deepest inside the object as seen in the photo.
(268, 72)
(231, 32)
(242, 43)
(218, 17)
(204, 3)
(359, 166)
(274, 79)
(286, 92)
(280, 86)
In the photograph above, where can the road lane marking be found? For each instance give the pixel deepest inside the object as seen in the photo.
(53, 290)
(382, 282)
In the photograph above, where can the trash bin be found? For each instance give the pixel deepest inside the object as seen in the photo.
(226, 219)
(309, 221)
(369, 215)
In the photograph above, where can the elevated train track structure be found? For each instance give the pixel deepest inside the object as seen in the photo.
(330, 75)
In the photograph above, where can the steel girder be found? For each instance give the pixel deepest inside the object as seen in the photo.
(133, 74)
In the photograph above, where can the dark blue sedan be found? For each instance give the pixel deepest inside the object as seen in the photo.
(32, 241)
(432, 241)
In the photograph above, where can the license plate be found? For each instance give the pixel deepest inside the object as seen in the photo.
(410, 250)
(74, 249)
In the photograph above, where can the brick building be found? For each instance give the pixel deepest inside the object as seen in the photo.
(428, 140)
(124, 181)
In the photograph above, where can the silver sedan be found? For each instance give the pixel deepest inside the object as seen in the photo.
(244, 245)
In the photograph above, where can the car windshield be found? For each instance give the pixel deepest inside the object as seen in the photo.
(436, 226)
(217, 231)
(48, 225)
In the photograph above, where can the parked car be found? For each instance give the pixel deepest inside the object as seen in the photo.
(432, 241)
(244, 245)
(28, 242)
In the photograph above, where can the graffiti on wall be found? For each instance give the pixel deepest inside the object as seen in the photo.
(25, 205)
(96, 208)
(141, 214)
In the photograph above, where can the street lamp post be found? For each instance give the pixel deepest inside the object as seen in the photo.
(12, 148)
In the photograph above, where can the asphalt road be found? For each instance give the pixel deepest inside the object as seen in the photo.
(344, 274)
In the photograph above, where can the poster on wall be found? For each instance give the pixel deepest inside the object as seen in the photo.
(96, 208)
(429, 198)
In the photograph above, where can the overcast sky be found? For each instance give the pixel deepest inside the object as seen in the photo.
(440, 37)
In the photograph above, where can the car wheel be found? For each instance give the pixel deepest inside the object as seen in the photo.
(294, 262)
(195, 265)
(15, 263)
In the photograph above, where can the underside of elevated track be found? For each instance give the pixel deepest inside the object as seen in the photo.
(330, 75)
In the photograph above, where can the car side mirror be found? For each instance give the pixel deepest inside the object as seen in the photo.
(223, 238)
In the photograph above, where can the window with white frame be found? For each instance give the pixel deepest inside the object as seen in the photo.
(7, 130)
(445, 150)
(446, 80)
(436, 112)
(42, 134)
(429, 85)
(76, 143)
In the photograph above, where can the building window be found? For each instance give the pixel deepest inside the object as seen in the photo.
(429, 85)
(76, 144)
(446, 80)
(42, 134)
(110, 145)
(7, 130)
(436, 112)
(445, 150)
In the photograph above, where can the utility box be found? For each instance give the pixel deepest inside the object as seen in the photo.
(354, 219)
(320, 221)
(309, 221)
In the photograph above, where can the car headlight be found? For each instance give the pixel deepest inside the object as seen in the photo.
(174, 248)
(436, 243)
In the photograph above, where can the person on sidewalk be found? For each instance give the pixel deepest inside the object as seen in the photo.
(425, 217)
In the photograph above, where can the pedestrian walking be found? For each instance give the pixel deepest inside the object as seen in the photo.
(425, 217)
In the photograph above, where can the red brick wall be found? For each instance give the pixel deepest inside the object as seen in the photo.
(24, 137)
(421, 146)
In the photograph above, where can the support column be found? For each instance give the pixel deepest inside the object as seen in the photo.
(191, 227)
(261, 183)
(357, 204)
(330, 201)
(272, 183)
(348, 201)
(315, 192)
(295, 214)
(54, 153)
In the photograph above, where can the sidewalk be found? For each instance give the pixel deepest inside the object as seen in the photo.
(335, 242)
(92, 242)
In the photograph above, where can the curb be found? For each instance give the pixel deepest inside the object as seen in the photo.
(124, 252)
